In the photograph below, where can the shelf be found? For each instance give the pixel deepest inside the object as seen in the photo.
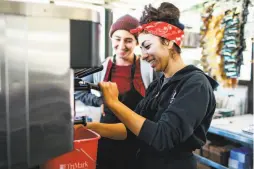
(231, 129)
(208, 162)
(233, 136)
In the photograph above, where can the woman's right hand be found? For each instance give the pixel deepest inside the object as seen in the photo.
(76, 126)
(110, 92)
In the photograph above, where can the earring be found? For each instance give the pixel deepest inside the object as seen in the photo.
(172, 53)
(166, 43)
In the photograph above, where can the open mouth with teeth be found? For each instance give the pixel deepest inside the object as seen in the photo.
(152, 63)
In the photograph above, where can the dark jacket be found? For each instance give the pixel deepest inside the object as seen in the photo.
(178, 117)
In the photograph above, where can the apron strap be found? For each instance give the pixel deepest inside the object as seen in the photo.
(133, 68)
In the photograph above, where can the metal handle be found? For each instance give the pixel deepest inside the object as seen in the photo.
(80, 121)
(90, 85)
(83, 85)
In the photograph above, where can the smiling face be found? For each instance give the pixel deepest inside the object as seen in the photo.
(123, 43)
(154, 52)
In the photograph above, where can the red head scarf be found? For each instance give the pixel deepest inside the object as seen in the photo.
(162, 29)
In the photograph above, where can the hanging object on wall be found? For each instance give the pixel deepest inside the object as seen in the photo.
(223, 40)
(211, 36)
(206, 18)
(231, 44)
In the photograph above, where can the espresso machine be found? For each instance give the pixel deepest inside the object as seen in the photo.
(40, 46)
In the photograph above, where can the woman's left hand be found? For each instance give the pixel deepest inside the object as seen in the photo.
(110, 92)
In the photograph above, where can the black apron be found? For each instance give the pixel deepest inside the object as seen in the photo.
(115, 154)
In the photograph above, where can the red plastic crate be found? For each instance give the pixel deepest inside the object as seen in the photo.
(83, 156)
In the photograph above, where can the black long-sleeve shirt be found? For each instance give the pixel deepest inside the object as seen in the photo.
(178, 114)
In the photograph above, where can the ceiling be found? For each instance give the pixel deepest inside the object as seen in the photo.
(135, 4)
(126, 4)
(135, 7)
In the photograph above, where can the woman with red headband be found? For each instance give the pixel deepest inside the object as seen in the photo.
(173, 118)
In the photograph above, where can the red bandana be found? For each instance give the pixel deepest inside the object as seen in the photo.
(162, 29)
